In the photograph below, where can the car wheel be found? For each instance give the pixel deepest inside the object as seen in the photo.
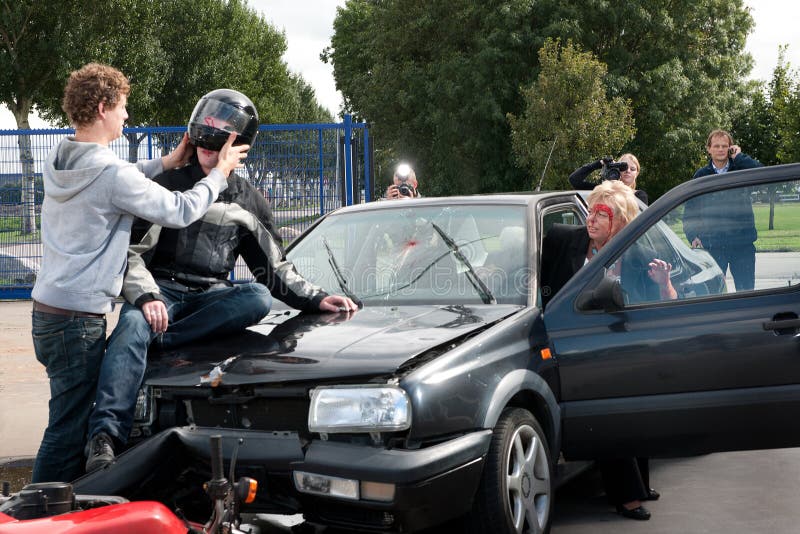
(516, 489)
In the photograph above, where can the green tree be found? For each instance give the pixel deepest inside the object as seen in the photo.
(785, 99)
(768, 126)
(790, 150)
(173, 51)
(211, 44)
(567, 119)
(177, 51)
(681, 64)
(38, 43)
(303, 105)
(754, 129)
(436, 78)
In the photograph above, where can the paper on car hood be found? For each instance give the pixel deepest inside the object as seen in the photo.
(293, 346)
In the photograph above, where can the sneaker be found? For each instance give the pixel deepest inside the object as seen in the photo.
(100, 452)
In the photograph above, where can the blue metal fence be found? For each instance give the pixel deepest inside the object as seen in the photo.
(304, 170)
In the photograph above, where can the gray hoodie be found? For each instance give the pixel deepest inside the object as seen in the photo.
(90, 199)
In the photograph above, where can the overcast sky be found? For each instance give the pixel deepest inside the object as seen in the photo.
(307, 35)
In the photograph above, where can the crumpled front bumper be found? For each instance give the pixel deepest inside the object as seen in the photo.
(432, 484)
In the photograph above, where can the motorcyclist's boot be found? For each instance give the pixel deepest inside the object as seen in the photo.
(100, 452)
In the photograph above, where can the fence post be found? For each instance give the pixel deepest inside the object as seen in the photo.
(367, 176)
(348, 159)
(321, 174)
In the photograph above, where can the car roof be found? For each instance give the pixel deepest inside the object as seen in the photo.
(511, 199)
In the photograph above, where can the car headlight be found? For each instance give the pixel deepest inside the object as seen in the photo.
(359, 409)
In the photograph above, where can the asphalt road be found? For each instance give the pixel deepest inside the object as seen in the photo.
(753, 492)
(739, 492)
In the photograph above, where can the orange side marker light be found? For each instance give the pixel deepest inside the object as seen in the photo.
(252, 489)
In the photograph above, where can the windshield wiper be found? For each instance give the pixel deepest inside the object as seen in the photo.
(337, 272)
(472, 276)
(394, 289)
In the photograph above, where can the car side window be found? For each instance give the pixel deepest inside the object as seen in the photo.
(562, 214)
(736, 240)
(567, 213)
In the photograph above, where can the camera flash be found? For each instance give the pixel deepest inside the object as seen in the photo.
(403, 170)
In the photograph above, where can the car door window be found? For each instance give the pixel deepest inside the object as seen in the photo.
(561, 214)
(744, 239)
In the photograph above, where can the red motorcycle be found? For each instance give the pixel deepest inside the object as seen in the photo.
(54, 508)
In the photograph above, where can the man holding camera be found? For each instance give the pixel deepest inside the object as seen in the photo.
(723, 223)
(405, 184)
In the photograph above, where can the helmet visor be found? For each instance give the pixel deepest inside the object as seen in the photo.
(213, 121)
(210, 138)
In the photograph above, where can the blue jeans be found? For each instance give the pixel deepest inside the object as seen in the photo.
(71, 348)
(192, 316)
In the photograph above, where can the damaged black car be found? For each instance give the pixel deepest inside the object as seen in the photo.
(451, 395)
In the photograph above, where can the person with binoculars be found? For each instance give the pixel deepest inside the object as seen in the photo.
(626, 170)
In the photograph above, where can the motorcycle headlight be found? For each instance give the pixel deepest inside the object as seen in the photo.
(359, 409)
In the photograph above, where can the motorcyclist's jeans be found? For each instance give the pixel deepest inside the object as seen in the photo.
(192, 316)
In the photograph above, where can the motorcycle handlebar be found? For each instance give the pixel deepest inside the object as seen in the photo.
(216, 457)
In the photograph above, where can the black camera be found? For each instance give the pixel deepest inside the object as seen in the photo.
(405, 190)
(611, 170)
(403, 174)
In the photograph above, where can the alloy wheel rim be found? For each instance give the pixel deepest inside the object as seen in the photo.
(528, 481)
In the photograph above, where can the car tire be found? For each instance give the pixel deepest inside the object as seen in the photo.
(516, 490)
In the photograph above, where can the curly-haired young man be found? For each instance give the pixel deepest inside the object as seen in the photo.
(90, 200)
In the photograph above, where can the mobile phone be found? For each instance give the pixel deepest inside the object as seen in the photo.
(730, 151)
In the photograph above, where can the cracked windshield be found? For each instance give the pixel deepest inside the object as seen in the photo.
(467, 254)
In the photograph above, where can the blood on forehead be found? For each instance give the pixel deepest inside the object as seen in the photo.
(602, 208)
(217, 123)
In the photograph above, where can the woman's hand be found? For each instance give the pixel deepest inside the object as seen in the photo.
(659, 273)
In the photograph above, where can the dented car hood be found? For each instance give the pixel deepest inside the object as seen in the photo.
(293, 346)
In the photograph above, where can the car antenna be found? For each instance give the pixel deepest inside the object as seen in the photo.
(539, 186)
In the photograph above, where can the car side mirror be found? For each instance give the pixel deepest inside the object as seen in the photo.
(606, 296)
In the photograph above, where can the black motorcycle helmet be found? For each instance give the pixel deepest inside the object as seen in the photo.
(219, 113)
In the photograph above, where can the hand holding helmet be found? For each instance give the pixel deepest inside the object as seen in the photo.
(180, 156)
(219, 113)
(224, 121)
(230, 156)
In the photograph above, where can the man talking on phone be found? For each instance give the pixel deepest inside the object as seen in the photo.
(722, 223)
